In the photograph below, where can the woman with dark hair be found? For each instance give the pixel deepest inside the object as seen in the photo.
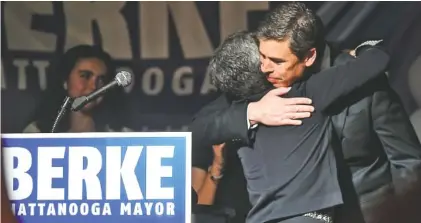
(78, 72)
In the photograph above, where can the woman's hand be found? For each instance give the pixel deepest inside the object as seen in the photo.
(206, 183)
(218, 154)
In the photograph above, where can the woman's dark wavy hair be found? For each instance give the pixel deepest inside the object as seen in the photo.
(235, 67)
(54, 96)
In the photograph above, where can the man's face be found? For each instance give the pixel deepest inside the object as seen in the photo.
(281, 67)
(87, 75)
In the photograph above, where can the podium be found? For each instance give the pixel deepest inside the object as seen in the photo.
(99, 177)
(211, 214)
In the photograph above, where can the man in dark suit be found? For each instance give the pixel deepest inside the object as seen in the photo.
(379, 144)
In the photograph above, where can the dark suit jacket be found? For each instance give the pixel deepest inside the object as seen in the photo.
(379, 143)
(379, 146)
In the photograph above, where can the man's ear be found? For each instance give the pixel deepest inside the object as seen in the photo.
(311, 57)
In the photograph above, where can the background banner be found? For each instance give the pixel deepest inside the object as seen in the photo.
(167, 45)
(91, 177)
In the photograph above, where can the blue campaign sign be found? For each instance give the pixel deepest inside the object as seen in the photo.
(99, 177)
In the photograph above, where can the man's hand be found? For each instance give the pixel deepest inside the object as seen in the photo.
(273, 110)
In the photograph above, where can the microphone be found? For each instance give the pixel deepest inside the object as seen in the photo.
(123, 78)
(62, 111)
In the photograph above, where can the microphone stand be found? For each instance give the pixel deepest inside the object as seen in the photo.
(67, 101)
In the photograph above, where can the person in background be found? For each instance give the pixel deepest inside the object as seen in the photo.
(78, 72)
(219, 180)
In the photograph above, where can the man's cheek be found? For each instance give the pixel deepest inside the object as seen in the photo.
(279, 73)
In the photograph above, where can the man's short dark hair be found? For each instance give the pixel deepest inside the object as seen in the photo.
(295, 22)
(235, 67)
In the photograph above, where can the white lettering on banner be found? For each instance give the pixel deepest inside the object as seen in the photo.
(182, 83)
(77, 174)
(154, 37)
(95, 209)
(154, 26)
(21, 65)
(114, 33)
(46, 173)
(61, 209)
(19, 172)
(233, 15)
(147, 208)
(154, 30)
(125, 170)
(153, 79)
(17, 21)
(153, 74)
(156, 153)
(111, 23)
(41, 66)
